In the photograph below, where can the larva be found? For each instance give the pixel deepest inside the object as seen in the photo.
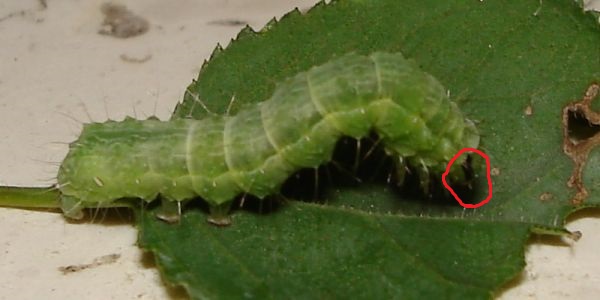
(255, 151)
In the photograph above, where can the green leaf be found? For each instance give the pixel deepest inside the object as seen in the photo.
(497, 58)
(313, 251)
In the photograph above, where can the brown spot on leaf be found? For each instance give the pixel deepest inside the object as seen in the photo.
(546, 196)
(528, 111)
(495, 172)
(581, 133)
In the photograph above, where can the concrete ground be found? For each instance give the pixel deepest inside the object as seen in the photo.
(57, 72)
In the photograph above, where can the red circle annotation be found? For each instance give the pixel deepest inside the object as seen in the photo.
(489, 178)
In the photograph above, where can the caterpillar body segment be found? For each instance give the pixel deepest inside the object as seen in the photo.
(255, 151)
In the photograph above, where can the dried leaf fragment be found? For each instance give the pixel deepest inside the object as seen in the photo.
(102, 260)
(120, 22)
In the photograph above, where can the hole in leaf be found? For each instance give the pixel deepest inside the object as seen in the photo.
(579, 128)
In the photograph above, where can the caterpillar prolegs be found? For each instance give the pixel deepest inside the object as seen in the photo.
(255, 151)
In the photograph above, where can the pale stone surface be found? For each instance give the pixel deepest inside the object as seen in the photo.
(56, 72)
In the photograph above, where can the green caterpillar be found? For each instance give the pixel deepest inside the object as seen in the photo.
(255, 151)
